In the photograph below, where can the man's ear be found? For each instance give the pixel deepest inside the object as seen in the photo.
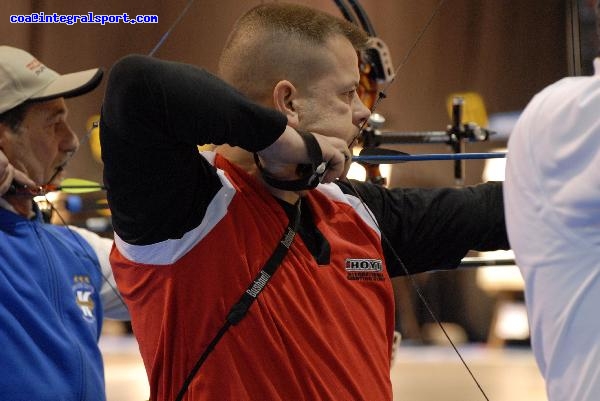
(284, 96)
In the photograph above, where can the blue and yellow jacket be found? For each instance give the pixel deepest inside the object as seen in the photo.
(50, 313)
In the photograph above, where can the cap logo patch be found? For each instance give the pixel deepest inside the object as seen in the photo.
(35, 66)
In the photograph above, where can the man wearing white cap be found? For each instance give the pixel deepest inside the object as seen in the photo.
(56, 286)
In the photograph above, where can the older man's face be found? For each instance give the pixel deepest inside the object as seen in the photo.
(43, 143)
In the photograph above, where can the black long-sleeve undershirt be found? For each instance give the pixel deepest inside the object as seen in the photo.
(156, 112)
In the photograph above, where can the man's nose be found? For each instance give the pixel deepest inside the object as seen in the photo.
(361, 113)
(69, 143)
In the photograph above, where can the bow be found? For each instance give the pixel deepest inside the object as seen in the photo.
(375, 68)
(78, 186)
(165, 35)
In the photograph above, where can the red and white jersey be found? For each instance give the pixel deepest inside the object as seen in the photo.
(192, 231)
(296, 342)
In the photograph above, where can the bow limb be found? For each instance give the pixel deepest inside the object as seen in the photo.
(167, 33)
(376, 68)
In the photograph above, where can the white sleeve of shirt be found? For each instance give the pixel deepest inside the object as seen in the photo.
(112, 302)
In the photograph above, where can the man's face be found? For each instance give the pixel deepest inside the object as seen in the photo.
(330, 105)
(43, 142)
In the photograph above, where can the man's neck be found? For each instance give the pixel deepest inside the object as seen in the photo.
(245, 160)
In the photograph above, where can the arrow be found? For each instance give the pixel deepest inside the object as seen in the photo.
(69, 185)
(79, 186)
(373, 156)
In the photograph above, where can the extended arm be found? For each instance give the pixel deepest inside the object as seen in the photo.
(433, 229)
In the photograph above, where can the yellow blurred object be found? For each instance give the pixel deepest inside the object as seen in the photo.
(104, 210)
(473, 108)
(92, 127)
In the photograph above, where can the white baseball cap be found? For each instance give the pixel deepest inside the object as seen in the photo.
(23, 77)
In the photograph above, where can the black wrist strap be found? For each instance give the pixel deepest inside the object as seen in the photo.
(310, 174)
(239, 310)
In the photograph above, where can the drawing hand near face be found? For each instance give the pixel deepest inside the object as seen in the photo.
(282, 158)
(8, 174)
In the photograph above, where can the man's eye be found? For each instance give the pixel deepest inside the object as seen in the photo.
(55, 125)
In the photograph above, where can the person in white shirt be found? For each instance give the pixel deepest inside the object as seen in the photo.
(552, 203)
